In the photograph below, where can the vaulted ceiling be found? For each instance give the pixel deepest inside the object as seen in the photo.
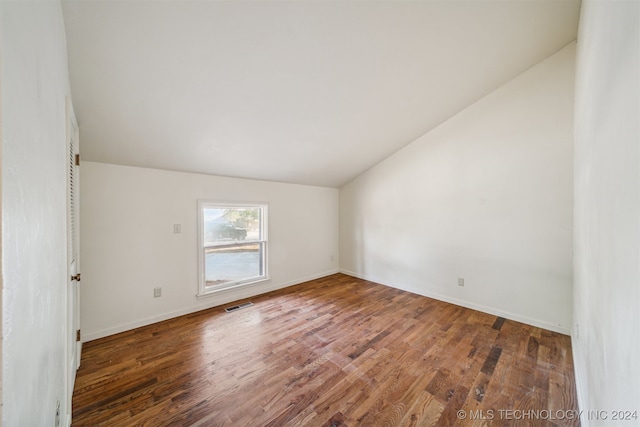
(308, 92)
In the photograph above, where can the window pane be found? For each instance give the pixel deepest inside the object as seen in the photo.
(227, 264)
(233, 246)
(223, 226)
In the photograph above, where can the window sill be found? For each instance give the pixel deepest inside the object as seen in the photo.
(217, 291)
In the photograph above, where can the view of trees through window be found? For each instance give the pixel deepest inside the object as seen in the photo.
(234, 244)
(224, 224)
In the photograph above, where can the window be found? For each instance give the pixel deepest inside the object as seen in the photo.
(232, 245)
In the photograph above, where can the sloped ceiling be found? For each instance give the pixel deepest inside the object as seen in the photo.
(308, 92)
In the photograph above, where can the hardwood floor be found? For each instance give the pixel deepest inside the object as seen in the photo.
(337, 351)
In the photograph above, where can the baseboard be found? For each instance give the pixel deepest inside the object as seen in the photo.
(468, 304)
(237, 294)
(582, 407)
(224, 297)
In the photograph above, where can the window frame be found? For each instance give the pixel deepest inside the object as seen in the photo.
(203, 289)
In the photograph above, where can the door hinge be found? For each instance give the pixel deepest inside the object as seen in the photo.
(76, 277)
(78, 335)
(77, 159)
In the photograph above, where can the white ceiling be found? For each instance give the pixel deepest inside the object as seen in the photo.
(309, 92)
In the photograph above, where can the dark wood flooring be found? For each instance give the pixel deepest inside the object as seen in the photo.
(337, 351)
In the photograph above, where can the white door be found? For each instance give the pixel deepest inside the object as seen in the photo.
(74, 343)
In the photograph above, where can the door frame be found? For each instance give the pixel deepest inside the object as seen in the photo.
(73, 346)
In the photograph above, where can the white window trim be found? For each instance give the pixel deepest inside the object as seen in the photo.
(203, 289)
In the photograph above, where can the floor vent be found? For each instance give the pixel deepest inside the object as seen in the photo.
(238, 307)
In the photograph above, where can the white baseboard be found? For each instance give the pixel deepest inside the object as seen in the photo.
(582, 407)
(223, 297)
(252, 291)
(468, 304)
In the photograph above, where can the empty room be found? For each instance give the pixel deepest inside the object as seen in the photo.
(320, 213)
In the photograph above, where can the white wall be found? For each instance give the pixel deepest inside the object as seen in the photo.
(128, 246)
(486, 196)
(1, 275)
(606, 338)
(34, 85)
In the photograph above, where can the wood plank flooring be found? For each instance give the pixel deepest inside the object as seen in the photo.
(337, 351)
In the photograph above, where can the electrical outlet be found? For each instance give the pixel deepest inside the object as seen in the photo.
(331, 258)
(157, 292)
(177, 228)
(460, 281)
